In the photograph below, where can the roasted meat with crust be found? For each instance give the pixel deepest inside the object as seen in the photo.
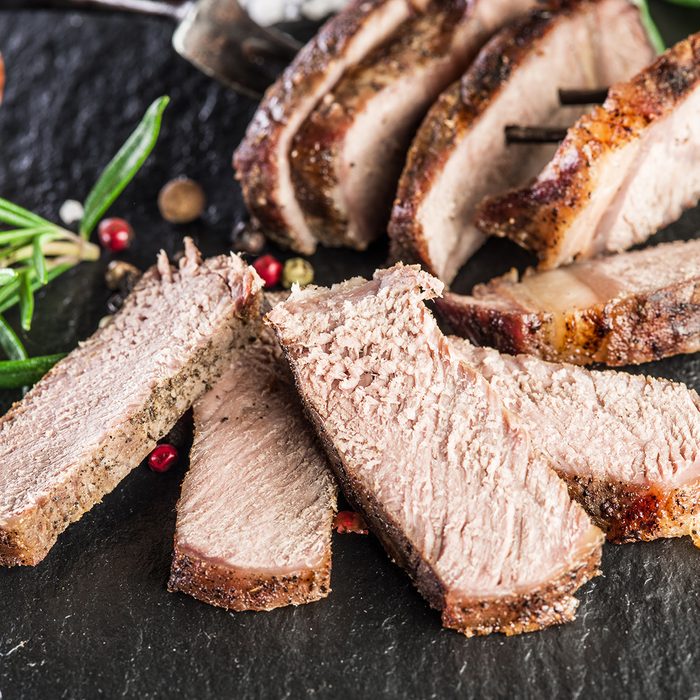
(444, 475)
(348, 155)
(262, 159)
(627, 445)
(460, 155)
(619, 310)
(99, 412)
(611, 183)
(255, 517)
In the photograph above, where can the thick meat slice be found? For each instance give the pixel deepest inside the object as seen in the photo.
(348, 155)
(624, 309)
(444, 475)
(100, 411)
(628, 446)
(255, 518)
(262, 159)
(624, 171)
(459, 155)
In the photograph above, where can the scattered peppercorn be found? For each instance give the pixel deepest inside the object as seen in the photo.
(115, 235)
(181, 201)
(247, 240)
(121, 276)
(270, 270)
(347, 521)
(297, 271)
(71, 212)
(163, 458)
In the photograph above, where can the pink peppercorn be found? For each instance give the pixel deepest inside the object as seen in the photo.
(163, 458)
(347, 521)
(270, 270)
(115, 235)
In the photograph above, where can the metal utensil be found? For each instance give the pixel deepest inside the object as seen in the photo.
(217, 36)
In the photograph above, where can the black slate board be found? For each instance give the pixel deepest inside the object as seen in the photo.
(94, 619)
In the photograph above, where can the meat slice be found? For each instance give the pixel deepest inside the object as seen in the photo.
(348, 155)
(445, 477)
(624, 309)
(627, 445)
(256, 513)
(262, 159)
(460, 155)
(96, 415)
(610, 184)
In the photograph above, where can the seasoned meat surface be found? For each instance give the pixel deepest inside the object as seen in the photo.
(262, 159)
(348, 155)
(460, 155)
(611, 183)
(99, 412)
(256, 512)
(618, 310)
(627, 445)
(444, 475)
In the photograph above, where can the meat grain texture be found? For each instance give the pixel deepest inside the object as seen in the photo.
(255, 517)
(262, 159)
(627, 445)
(619, 310)
(624, 171)
(97, 414)
(444, 475)
(460, 155)
(348, 154)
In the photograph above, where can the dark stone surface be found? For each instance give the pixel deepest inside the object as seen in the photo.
(94, 619)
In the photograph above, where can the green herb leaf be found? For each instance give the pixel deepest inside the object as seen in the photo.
(26, 300)
(686, 3)
(15, 374)
(7, 275)
(42, 272)
(14, 215)
(650, 26)
(121, 170)
(10, 342)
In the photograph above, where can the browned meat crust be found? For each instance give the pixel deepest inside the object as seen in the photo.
(454, 113)
(537, 217)
(630, 330)
(318, 144)
(631, 514)
(240, 590)
(256, 159)
(27, 537)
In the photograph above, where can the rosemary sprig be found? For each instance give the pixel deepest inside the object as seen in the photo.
(34, 251)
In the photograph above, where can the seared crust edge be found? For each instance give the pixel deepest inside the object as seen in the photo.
(453, 114)
(238, 589)
(628, 330)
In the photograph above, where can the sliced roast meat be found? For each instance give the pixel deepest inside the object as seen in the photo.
(100, 411)
(460, 155)
(624, 171)
(348, 155)
(262, 159)
(619, 310)
(628, 446)
(255, 518)
(445, 477)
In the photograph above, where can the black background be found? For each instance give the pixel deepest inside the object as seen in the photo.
(94, 619)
